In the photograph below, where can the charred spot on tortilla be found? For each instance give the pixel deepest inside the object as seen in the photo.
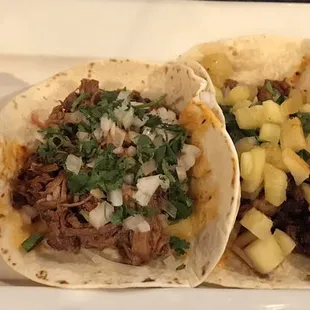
(42, 274)
(171, 77)
(85, 282)
(177, 281)
(9, 258)
(204, 269)
(14, 264)
(4, 251)
(44, 98)
(23, 96)
(178, 70)
(2, 196)
(142, 82)
(63, 282)
(166, 69)
(148, 280)
(15, 104)
(113, 60)
(147, 66)
(48, 85)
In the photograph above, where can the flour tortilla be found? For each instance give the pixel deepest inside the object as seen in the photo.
(89, 269)
(255, 59)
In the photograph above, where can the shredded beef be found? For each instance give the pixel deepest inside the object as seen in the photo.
(136, 96)
(89, 86)
(264, 206)
(281, 86)
(67, 104)
(230, 84)
(56, 117)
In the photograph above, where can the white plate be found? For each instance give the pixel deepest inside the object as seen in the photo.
(181, 299)
(68, 32)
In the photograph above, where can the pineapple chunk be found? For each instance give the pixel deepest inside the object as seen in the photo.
(238, 93)
(274, 156)
(296, 165)
(245, 239)
(219, 67)
(292, 135)
(275, 183)
(253, 195)
(253, 91)
(286, 243)
(270, 132)
(246, 165)
(245, 144)
(265, 255)
(219, 95)
(272, 112)
(306, 189)
(250, 118)
(292, 104)
(252, 183)
(257, 223)
(241, 104)
(305, 108)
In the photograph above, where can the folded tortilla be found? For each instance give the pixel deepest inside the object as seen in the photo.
(254, 59)
(216, 185)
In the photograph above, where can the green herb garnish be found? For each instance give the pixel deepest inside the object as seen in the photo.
(141, 109)
(145, 149)
(179, 245)
(276, 95)
(79, 100)
(305, 155)
(305, 121)
(31, 242)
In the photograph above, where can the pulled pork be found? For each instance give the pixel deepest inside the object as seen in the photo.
(281, 86)
(44, 187)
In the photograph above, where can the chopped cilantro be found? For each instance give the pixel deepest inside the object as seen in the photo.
(145, 149)
(79, 100)
(179, 245)
(167, 172)
(180, 200)
(89, 148)
(305, 155)
(305, 122)
(110, 96)
(77, 183)
(141, 109)
(153, 121)
(276, 95)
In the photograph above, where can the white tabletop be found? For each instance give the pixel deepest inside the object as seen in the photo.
(150, 29)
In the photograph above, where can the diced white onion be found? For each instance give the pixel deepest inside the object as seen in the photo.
(129, 178)
(137, 122)
(97, 193)
(39, 137)
(181, 172)
(101, 215)
(28, 213)
(147, 187)
(170, 209)
(106, 125)
(98, 133)
(116, 197)
(149, 132)
(166, 115)
(127, 119)
(118, 150)
(75, 117)
(191, 150)
(123, 95)
(149, 167)
(91, 164)
(133, 136)
(136, 223)
(82, 136)
(74, 163)
(187, 160)
(118, 136)
(131, 151)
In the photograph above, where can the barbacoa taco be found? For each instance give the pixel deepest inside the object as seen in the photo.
(114, 174)
(263, 87)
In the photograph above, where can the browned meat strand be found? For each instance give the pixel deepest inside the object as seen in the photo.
(67, 104)
(264, 94)
(89, 86)
(42, 187)
(230, 84)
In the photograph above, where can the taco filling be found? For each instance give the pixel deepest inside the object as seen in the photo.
(110, 170)
(269, 125)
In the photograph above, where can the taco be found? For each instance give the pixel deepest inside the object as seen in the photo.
(263, 86)
(114, 174)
